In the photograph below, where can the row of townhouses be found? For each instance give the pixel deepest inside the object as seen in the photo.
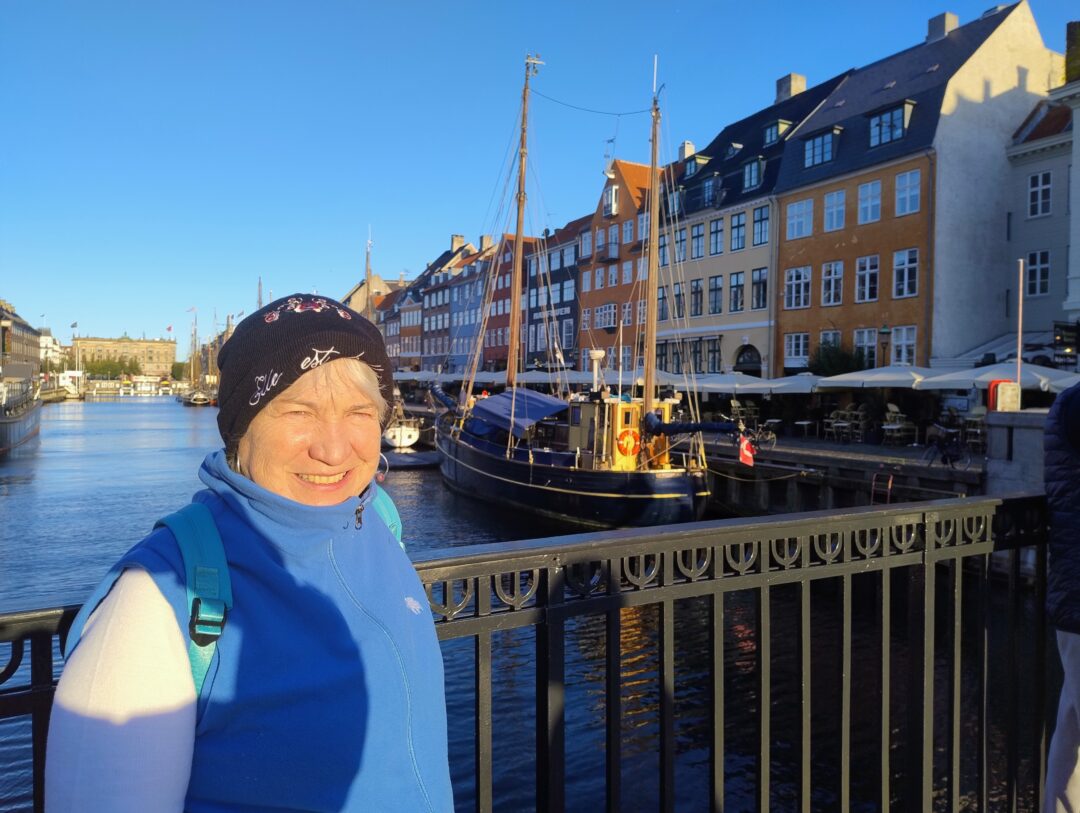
(883, 210)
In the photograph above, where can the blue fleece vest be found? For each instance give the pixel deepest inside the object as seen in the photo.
(326, 692)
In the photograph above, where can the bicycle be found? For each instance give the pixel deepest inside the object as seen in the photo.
(945, 444)
(760, 437)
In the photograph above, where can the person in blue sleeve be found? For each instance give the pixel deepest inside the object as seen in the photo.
(325, 692)
(1062, 479)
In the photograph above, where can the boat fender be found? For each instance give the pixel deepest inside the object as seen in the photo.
(629, 442)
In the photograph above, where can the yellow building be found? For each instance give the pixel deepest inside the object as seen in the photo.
(155, 356)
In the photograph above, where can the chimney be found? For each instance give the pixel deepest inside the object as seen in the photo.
(790, 85)
(1072, 52)
(456, 241)
(686, 149)
(486, 242)
(940, 26)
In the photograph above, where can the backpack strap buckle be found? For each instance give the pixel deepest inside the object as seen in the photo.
(208, 616)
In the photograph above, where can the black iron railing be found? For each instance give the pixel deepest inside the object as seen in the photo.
(871, 657)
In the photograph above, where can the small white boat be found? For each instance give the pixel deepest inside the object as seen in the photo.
(196, 398)
(402, 433)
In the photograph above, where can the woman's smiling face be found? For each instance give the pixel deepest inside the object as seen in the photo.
(316, 443)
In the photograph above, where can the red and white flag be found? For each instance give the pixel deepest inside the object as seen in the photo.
(746, 451)
(169, 329)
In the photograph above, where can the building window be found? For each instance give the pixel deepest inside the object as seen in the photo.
(716, 236)
(691, 168)
(598, 278)
(866, 345)
(1039, 194)
(613, 276)
(586, 243)
(736, 301)
(662, 249)
(712, 351)
(834, 210)
(796, 349)
(697, 297)
(832, 283)
(870, 202)
(567, 333)
(759, 289)
(887, 126)
(627, 360)
(586, 281)
(696, 356)
(641, 314)
(661, 304)
(628, 231)
(643, 225)
(568, 290)
(697, 241)
(642, 269)
(674, 200)
(611, 203)
(628, 272)
(818, 150)
(680, 246)
(752, 174)
(601, 240)
(1038, 273)
(679, 312)
(676, 357)
(661, 355)
(570, 255)
(866, 279)
(772, 134)
(555, 260)
(907, 192)
(613, 240)
(761, 225)
(605, 316)
(716, 294)
(708, 192)
(628, 313)
(829, 338)
(800, 219)
(903, 345)
(905, 273)
(797, 288)
(738, 231)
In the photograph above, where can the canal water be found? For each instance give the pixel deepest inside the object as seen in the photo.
(101, 472)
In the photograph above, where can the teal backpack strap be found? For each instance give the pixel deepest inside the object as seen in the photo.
(387, 511)
(209, 589)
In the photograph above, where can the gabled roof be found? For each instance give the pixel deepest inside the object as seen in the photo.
(726, 164)
(1045, 120)
(636, 178)
(918, 75)
(391, 299)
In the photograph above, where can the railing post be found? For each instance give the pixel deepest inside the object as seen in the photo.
(41, 675)
(550, 695)
(916, 690)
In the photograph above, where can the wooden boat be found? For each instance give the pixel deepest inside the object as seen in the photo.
(594, 460)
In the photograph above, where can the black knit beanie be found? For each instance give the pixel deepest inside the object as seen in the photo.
(273, 347)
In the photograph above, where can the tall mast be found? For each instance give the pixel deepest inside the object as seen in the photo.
(652, 283)
(368, 304)
(514, 349)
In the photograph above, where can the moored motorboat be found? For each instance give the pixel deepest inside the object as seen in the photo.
(20, 413)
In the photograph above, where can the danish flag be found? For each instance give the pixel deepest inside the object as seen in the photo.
(746, 451)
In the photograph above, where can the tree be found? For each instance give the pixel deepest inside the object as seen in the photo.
(831, 359)
(179, 371)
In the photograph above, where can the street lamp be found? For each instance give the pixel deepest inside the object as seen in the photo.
(883, 336)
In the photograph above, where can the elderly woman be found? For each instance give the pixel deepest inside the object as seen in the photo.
(325, 692)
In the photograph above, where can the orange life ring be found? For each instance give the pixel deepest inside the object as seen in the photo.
(629, 442)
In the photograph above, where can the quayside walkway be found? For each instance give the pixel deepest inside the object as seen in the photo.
(901, 651)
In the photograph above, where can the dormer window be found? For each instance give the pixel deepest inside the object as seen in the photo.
(673, 208)
(752, 173)
(890, 125)
(774, 130)
(708, 191)
(819, 149)
(691, 168)
(611, 201)
(732, 149)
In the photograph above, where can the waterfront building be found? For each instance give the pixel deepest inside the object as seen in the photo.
(611, 279)
(410, 309)
(155, 356)
(430, 289)
(893, 197)
(496, 327)
(1069, 94)
(53, 356)
(357, 297)
(718, 246)
(550, 287)
(1037, 231)
(20, 345)
(388, 320)
(467, 291)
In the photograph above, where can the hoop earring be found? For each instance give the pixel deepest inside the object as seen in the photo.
(381, 475)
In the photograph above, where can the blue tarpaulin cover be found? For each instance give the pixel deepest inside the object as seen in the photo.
(529, 407)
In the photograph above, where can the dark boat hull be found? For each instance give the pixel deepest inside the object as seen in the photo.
(17, 428)
(601, 499)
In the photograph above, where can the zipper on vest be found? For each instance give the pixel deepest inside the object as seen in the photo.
(360, 516)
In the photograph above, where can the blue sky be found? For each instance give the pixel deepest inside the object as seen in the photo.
(157, 156)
